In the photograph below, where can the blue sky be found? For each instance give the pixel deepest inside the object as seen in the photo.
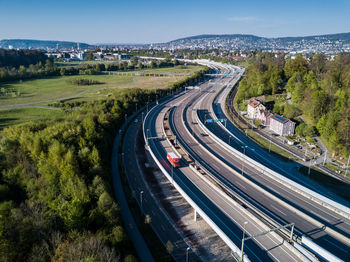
(108, 21)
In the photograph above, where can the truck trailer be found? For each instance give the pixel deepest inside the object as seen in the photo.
(173, 159)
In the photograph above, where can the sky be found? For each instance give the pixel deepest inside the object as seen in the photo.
(154, 21)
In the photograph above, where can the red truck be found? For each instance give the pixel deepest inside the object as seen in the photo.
(173, 159)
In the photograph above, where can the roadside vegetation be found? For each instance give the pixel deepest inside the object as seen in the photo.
(56, 199)
(319, 90)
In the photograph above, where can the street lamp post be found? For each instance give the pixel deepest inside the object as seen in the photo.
(325, 157)
(270, 145)
(245, 223)
(136, 107)
(347, 166)
(187, 249)
(142, 118)
(229, 140)
(243, 147)
(141, 194)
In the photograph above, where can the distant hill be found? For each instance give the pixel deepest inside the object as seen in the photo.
(41, 44)
(333, 43)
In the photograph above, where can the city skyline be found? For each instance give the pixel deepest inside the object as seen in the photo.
(156, 21)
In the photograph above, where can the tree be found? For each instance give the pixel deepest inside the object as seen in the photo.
(89, 56)
(297, 65)
(153, 64)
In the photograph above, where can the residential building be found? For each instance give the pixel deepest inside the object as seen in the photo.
(255, 108)
(281, 126)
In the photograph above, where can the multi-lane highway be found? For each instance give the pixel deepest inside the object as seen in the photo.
(283, 205)
(224, 212)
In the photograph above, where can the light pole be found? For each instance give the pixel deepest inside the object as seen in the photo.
(126, 117)
(325, 157)
(308, 172)
(243, 147)
(347, 166)
(136, 107)
(270, 145)
(141, 194)
(229, 140)
(142, 118)
(147, 136)
(245, 223)
(187, 249)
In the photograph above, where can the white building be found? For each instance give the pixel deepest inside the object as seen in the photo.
(282, 126)
(255, 109)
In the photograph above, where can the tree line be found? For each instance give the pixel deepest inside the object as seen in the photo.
(56, 200)
(49, 68)
(16, 58)
(319, 88)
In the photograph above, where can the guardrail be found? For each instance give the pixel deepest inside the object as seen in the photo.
(223, 236)
(308, 193)
(241, 157)
(230, 194)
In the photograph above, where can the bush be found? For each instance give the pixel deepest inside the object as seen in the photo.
(85, 82)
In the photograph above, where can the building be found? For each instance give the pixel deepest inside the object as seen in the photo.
(265, 117)
(255, 108)
(281, 126)
(124, 56)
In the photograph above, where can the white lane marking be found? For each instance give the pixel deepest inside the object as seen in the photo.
(215, 166)
(252, 223)
(278, 210)
(240, 185)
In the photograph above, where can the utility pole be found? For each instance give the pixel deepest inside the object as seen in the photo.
(308, 172)
(347, 166)
(141, 194)
(187, 249)
(245, 223)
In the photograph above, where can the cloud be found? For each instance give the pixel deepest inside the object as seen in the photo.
(243, 19)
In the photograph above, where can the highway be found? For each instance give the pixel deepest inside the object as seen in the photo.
(225, 213)
(160, 221)
(284, 205)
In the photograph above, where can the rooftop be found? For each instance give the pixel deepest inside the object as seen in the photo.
(254, 103)
(280, 118)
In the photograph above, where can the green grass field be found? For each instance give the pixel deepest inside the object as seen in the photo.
(41, 92)
(17, 116)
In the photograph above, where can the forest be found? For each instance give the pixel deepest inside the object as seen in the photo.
(319, 87)
(16, 58)
(56, 199)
